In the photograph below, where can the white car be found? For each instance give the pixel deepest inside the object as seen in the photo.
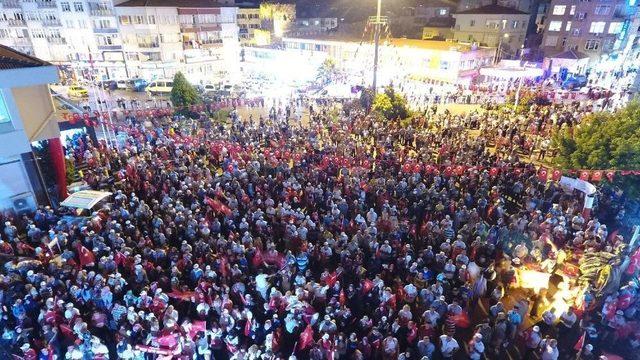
(160, 87)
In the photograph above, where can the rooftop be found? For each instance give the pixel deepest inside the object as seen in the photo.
(11, 59)
(493, 9)
(570, 54)
(175, 4)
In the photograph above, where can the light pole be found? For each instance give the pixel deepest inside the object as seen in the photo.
(495, 58)
(377, 21)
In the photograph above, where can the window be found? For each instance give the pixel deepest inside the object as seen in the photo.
(5, 120)
(597, 27)
(77, 6)
(444, 65)
(514, 24)
(65, 7)
(504, 24)
(137, 19)
(442, 12)
(472, 23)
(82, 24)
(559, 9)
(576, 32)
(125, 20)
(592, 44)
(582, 16)
(551, 40)
(69, 24)
(568, 26)
(615, 27)
(102, 24)
(564, 41)
(492, 24)
(572, 11)
(602, 9)
(151, 19)
(555, 25)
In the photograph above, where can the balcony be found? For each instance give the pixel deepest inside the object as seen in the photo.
(105, 30)
(101, 12)
(46, 4)
(57, 41)
(148, 45)
(11, 4)
(51, 22)
(21, 42)
(16, 22)
(109, 47)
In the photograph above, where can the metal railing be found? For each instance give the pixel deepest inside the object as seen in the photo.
(22, 42)
(46, 4)
(11, 4)
(101, 12)
(51, 22)
(148, 45)
(16, 22)
(57, 41)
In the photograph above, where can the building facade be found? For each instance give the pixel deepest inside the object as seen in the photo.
(160, 39)
(26, 111)
(493, 26)
(592, 27)
(78, 32)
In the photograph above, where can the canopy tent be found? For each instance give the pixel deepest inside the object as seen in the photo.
(511, 73)
(85, 199)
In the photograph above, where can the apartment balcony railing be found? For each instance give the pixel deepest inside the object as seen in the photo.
(21, 42)
(51, 22)
(101, 12)
(46, 4)
(109, 47)
(105, 30)
(11, 4)
(148, 45)
(16, 22)
(57, 41)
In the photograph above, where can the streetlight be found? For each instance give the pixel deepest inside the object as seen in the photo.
(504, 36)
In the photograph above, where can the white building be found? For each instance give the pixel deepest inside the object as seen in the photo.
(26, 113)
(493, 26)
(198, 38)
(80, 33)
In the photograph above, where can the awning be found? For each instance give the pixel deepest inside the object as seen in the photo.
(85, 199)
(509, 73)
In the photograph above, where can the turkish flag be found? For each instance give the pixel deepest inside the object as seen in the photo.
(169, 341)
(556, 175)
(494, 171)
(542, 174)
(367, 285)
(448, 170)
(580, 343)
(517, 171)
(610, 175)
(217, 206)
(428, 169)
(459, 170)
(584, 175)
(596, 176)
(86, 256)
(306, 338)
(247, 327)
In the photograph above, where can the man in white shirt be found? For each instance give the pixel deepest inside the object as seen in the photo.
(448, 346)
(550, 350)
(476, 347)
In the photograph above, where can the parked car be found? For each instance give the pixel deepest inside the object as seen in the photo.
(137, 85)
(121, 84)
(78, 91)
(160, 87)
(108, 84)
(574, 82)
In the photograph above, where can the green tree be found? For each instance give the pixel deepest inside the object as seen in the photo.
(604, 141)
(326, 71)
(183, 93)
(391, 105)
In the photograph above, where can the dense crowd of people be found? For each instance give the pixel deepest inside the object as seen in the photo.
(341, 238)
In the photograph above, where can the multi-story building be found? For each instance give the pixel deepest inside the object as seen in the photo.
(248, 23)
(198, 38)
(82, 33)
(25, 116)
(522, 5)
(592, 27)
(495, 26)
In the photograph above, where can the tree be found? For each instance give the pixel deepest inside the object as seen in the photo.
(326, 71)
(183, 94)
(604, 141)
(391, 105)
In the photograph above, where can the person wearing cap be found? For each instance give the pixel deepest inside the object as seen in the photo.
(586, 353)
(448, 346)
(532, 342)
(549, 350)
(476, 347)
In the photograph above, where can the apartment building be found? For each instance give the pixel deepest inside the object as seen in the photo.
(248, 24)
(493, 26)
(80, 33)
(199, 38)
(590, 27)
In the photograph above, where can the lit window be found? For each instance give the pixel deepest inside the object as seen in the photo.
(568, 27)
(555, 25)
(559, 9)
(77, 6)
(572, 11)
(597, 27)
(602, 9)
(615, 28)
(4, 111)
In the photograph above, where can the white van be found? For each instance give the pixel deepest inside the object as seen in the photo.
(160, 87)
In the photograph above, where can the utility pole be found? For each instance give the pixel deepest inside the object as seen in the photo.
(377, 21)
